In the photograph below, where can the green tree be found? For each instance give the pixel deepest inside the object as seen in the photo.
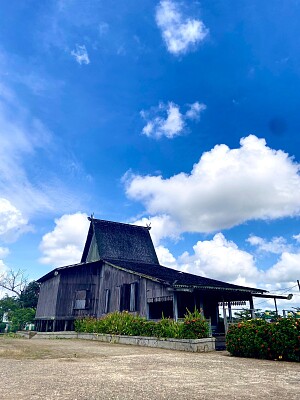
(29, 296)
(20, 317)
(8, 304)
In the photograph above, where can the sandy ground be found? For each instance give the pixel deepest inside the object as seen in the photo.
(78, 369)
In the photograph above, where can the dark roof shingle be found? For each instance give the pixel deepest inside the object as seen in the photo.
(175, 277)
(121, 241)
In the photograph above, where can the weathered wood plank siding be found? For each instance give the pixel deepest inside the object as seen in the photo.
(46, 307)
(84, 278)
(113, 278)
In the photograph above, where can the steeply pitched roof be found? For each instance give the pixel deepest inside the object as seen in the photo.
(177, 278)
(120, 241)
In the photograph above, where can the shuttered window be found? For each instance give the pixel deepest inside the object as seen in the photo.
(80, 300)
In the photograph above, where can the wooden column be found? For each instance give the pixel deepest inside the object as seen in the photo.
(251, 307)
(225, 318)
(229, 311)
(276, 309)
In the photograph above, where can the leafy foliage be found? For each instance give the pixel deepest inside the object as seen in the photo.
(124, 323)
(279, 340)
(19, 318)
(194, 325)
(20, 309)
(2, 327)
(29, 295)
(8, 304)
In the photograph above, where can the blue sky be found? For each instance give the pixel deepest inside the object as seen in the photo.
(183, 114)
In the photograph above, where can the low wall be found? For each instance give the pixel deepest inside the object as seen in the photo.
(193, 345)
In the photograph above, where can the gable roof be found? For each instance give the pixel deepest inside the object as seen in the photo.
(117, 240)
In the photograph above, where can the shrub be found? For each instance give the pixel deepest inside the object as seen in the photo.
(20, 317)
(2, 327)
(194, 326)
(124, 323)
(278, 340)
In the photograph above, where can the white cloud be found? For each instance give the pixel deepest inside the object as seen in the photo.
(4, 251)
(64, 245)
(227, 187)
(195, 110)
(220, 259)
(28, 178)
(167, 119)
(180, 33)
(81, 55)
(12, 222)
(162, 227)
(167, 122)
(277, 245)
(286, 269)
(297, 237)
(166, 258)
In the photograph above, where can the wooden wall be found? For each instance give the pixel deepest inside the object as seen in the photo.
(46, 307)
(113, 278)
(57, 297)
(85, 277)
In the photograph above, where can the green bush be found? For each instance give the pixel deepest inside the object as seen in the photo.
(124, 323)
(195, 326)
(20, 317)
(2, 327)
(257, 338)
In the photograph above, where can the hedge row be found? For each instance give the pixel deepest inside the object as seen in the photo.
(194, 326)
(256, 338)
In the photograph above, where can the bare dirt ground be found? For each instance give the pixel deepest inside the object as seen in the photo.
(78, 369)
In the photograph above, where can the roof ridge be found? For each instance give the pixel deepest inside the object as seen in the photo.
(92, 219)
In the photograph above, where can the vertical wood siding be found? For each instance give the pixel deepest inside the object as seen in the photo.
(48, 298)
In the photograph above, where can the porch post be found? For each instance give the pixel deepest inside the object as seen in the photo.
(225, 318)
(251, 307)
(229, 311)
(175, 307)
(275, 306)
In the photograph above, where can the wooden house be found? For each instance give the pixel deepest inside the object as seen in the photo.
(119, 270)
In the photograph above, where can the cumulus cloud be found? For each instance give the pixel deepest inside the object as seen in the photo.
(12, 222)
(64, 245)
(166, 258)
(80, 54)
(276, 245)
(220, 259)
(167, 119)
(286, 269)
(180, 33)
(162, 226)
(227, 187)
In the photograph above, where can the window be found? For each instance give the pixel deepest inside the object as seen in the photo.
(129, 297)
(80, 300)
